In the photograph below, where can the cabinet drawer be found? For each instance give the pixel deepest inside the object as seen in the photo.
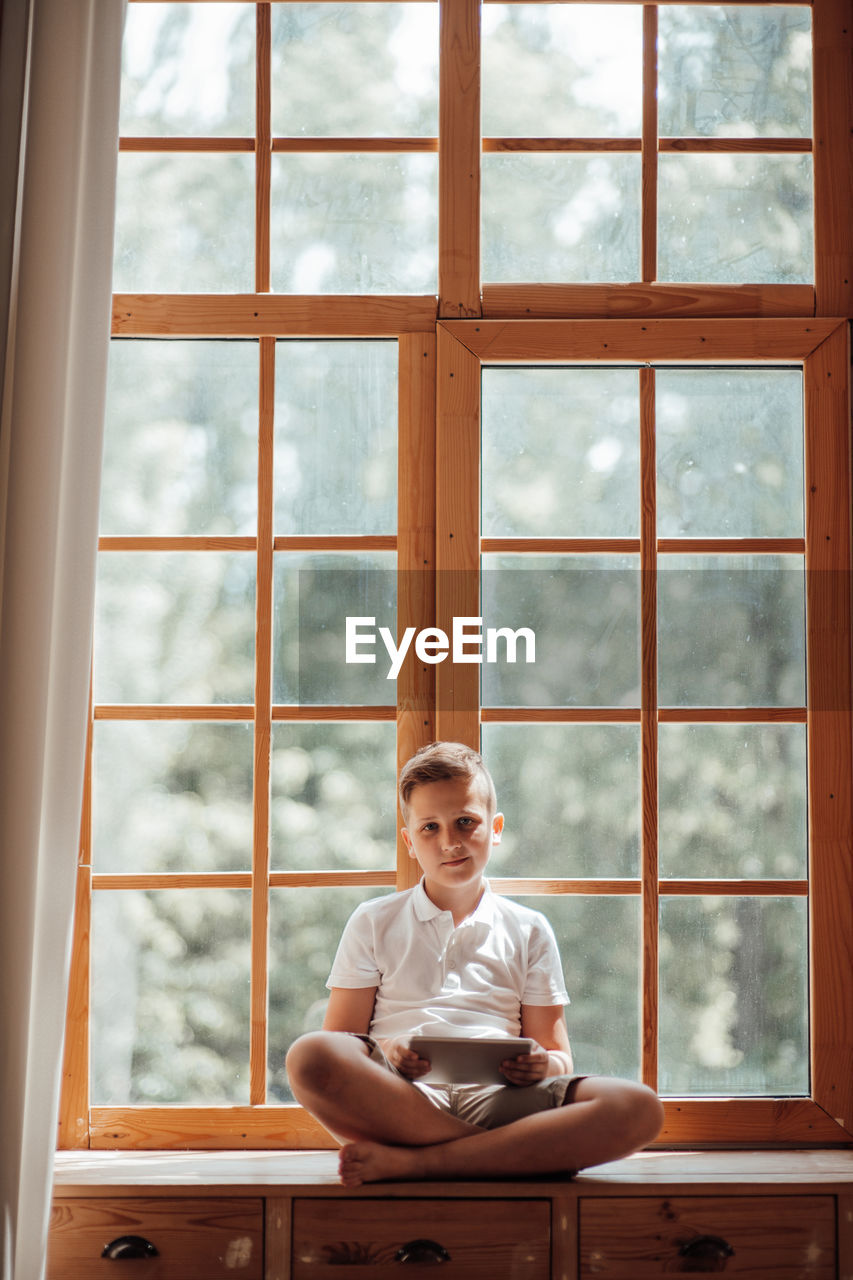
(751, 1237)
(195, 1238)
(482, 1239)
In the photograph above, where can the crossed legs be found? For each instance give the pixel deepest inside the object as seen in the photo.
(390, 1130)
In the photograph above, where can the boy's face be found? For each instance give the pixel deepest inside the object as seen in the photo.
(450, 831)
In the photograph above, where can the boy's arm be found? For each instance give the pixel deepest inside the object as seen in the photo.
(546, 1025)
(350, 1009)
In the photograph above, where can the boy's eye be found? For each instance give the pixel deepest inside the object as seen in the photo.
(466, 822)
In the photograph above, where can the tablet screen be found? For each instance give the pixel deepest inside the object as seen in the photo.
(459, 1060)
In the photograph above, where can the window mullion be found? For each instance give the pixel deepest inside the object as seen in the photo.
(415, 552)
(263, 148)
(649, 729)
(459, 160)
(74, 1100)
(649, 213)
(263, 720)
(457, 542)
(828, 604)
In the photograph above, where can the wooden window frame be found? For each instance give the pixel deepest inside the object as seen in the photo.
(470, 323)
(821, 349)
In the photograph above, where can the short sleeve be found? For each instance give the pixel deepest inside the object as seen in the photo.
(354, 965)
(544, 983)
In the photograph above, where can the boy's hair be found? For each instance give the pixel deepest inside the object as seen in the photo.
(441, 760)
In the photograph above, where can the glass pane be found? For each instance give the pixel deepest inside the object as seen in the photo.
(188, 69)
(354, 223)
(313, 597)
(195, 234)
(734, 996)
(736, 218)
(305, 929)
(562, 70)
(738, 71)
(175, 626)
(561, 217)
(730, 453)
(560, 452)
(584, 613)
(181, 438)
(170, 996)
(355, 70)
(172, 796)
(599, 941)
(334, 797)
(571, 797)
(731, 631)
(336, 437)
(732, 801)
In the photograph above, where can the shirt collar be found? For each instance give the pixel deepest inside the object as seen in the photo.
(425, 908)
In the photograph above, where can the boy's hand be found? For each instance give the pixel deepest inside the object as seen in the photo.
(527, 1068)
(406, 1061)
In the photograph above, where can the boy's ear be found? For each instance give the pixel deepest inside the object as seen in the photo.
(497, 828)
(407, 840)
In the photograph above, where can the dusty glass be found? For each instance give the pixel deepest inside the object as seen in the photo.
(560, 452)
(584, 612)
(172, 796)
(729, 453)
(184, 224)
(355, 70)
(362, 223)
(734, 996)
(170, 996)
(734, 71)
(731, 631)
(732, 801)
(305, 928)
(562, 70)
(333, 799)
(313, 595)
(570, 794)
(599, 941)
(336, 437)
(729, 219)
(181, 438)
(550, 218)
(188, 69)
(175, 626)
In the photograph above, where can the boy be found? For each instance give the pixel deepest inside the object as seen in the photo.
(450, 957)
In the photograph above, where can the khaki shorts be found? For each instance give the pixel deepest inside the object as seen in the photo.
(489, 1106)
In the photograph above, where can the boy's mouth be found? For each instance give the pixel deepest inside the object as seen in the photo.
(455, 862)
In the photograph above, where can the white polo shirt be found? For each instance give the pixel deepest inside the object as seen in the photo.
(468, 979)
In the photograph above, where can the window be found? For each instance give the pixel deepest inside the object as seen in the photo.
(351, 379)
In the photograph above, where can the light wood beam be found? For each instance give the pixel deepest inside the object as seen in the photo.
(459, 160)
(415, 555)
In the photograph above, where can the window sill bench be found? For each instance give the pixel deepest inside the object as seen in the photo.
(282, 1215)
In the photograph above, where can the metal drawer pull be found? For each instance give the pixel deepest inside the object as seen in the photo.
(130, 1247)
(422, 1251)
(705, 1253)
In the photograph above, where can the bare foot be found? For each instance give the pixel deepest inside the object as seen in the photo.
(360, 1162)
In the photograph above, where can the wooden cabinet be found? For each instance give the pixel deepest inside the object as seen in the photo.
(170, 1238)
(469, 1239)
(751, 1237)
(267, 1215)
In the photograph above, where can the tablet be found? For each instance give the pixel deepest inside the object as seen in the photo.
(464, 1060)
